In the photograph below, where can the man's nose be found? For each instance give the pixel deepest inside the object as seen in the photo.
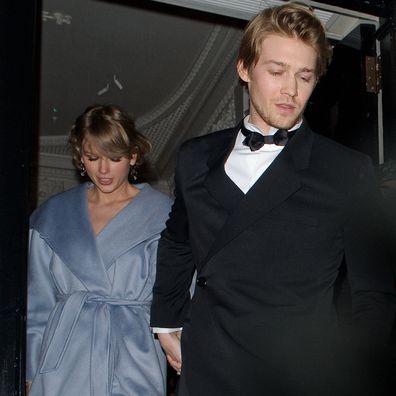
(289, 85)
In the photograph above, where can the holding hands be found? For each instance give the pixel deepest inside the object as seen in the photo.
(170, 342)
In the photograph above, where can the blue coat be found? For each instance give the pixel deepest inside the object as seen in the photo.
(89, 298)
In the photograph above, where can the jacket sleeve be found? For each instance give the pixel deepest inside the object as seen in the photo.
(41, 299)
(175, 268)
(368, 262)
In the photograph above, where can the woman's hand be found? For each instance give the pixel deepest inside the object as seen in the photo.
(170, 342)
(28, 385)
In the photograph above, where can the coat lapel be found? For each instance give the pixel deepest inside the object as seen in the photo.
(143, 218)
(63, 222)
(274, 186)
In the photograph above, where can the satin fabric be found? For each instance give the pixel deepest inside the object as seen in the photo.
(89, 298)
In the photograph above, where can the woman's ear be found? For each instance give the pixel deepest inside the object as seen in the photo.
(133, 159)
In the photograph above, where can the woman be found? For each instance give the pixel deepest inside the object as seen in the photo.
(91, 270)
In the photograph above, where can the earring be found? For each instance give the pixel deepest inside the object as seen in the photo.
(133, 174)
(83, 171)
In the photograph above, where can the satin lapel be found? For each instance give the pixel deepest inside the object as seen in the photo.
(274, 186)
(217, 183)
(142, 219)
(63, 222)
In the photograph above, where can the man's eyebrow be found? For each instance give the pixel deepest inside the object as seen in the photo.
(285, 65)
(277, 63)
(306, 70)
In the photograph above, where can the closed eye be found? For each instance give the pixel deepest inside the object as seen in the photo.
(275, 72)
(306, 77)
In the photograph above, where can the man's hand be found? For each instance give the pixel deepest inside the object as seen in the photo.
(170, 342)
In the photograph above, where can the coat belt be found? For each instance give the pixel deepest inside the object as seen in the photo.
(62, 332)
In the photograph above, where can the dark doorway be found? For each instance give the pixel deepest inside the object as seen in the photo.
(18, 112)
(341, 108)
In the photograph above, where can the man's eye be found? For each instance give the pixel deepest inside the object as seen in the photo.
(275, 72)
(305, 78)
(116, 159)
(92, 158)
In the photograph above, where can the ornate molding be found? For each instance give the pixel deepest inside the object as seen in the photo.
(144, 121)
(224, 115)
(55, 145)
(56, 172)
(204, 102)
(161, 132)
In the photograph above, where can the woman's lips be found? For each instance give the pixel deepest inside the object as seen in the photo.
(105, 180)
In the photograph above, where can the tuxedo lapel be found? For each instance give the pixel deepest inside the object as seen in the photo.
(217, 183)
(274, 186)
(222, 188)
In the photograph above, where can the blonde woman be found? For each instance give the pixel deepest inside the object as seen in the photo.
(91, 270)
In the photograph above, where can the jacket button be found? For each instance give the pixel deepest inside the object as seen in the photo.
(201, 281)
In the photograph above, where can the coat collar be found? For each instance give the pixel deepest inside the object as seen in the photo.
(141, 220)
(63, 222)
(275, 185)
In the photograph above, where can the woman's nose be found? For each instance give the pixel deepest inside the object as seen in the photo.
(103, 165)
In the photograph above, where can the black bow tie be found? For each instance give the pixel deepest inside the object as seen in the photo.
(255, 140)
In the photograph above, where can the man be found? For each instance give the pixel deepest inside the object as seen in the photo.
(266, 224)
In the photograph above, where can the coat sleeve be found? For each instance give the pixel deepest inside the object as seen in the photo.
(368, 262)
(41, 299)
(175, 268)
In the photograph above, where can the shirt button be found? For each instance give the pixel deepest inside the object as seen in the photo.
(201, 281)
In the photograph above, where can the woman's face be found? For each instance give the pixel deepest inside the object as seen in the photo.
(108, 173)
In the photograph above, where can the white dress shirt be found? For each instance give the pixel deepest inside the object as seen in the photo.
(243, 166)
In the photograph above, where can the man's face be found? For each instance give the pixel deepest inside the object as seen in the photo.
(281, 82)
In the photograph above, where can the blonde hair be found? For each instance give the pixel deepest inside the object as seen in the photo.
(289, 20)
(112, 131)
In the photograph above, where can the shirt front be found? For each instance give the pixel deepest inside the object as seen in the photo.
(243, 166)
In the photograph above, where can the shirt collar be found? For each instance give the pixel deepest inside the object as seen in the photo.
(272, 130)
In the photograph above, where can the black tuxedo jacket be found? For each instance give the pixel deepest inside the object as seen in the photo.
(262, 318)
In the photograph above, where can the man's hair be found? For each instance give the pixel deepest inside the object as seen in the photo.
(289, 20)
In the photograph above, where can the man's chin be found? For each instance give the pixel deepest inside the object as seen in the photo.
(287, 124)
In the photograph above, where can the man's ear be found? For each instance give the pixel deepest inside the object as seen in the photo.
(243, 72)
